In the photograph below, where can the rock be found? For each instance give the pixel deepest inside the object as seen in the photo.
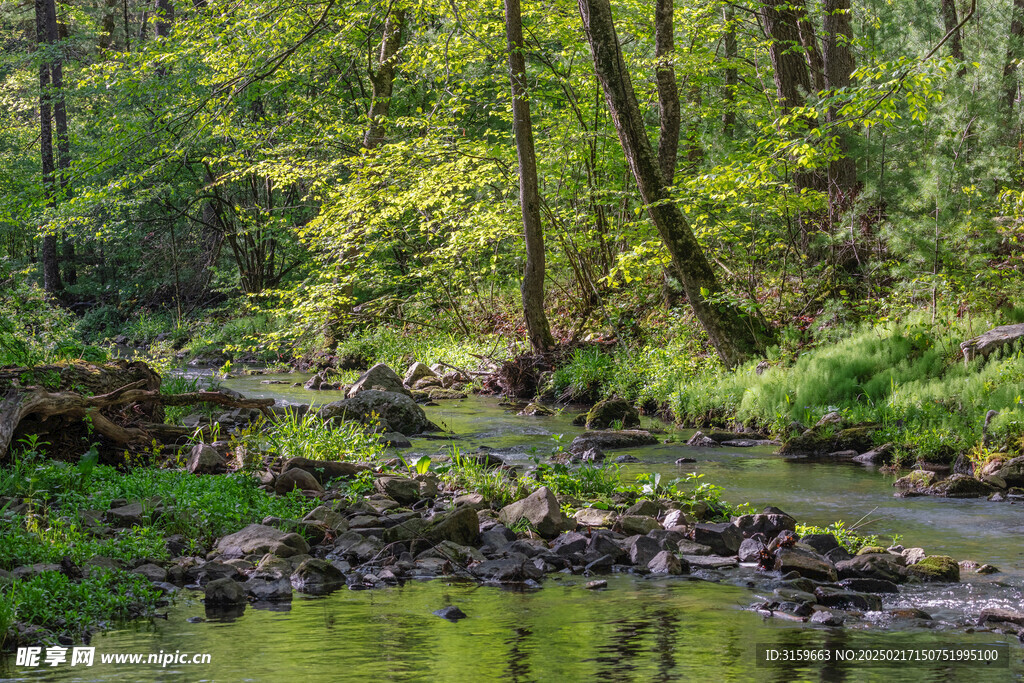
(540, 509)
(826, 618)
(767, 523)
(637, 524)
(125, 516)
(595, 517)
(326, 517)
(642, 549)
(875, 456)
(317, 577)
(674, 518)
(451, 612)
(297, 478)
(394, 440)
(750, 550)
(685, 461)
(325, 470)
(997, 615)
(474, 501)
(700, 440)
(869, 585)
(257, 539)
(963, 465)
(959, 486)
(745, 443)
(723, 537)
(837, 597)
(708, 561)
(913, 555)
(1012, 472)
(645, 508)
(594, 585)
(613, 411)
(461, 526)
(987, 569)
(416, 372)
(610, 439)
(536, 410)
(996, 338)
(221, 592)
(269, 590)
(822, 543)
(389, 410)
(497, 537)
(592, 455)
(154, 573)
(401, 489)
(666, 563)
(875, 566)
(806, 564)
(508, 570)
(833, 418)
(843, 455)
(918, 480)
(379, 378)
(626, 460)
(445, 395)
(204, 459)
(935, 568)
(819, 441)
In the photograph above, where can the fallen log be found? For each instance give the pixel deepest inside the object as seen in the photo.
(20, 404)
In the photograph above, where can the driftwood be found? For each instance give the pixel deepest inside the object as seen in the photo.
(19, 404)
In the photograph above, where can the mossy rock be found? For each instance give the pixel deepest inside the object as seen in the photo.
(936, 568)
(916, 480)
(610, 411)
(960, 486)
(823, 440)
(871, 550)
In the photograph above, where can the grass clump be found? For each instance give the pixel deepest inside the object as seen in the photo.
(848, 536)
(310, 436)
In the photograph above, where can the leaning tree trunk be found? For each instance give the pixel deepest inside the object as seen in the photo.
(537, 327)
(734, 336)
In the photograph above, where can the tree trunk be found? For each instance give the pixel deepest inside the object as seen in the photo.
(382, 82)
(809, 41)
(60, 121)
(950, 22)
(731, 74)
(52, 283)
(1014, 53)
(734, 336)
(790, 68)
(668, 92)
(537, 328)
(838, 63)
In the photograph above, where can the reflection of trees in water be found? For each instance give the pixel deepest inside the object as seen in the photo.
(519, 655)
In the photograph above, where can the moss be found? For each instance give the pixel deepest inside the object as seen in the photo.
(605, 414)
(936, 568)
(871, 550)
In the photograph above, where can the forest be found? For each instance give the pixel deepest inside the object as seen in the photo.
(353, 294)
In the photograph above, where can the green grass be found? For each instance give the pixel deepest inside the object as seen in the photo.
(848, 537)
(311, 436)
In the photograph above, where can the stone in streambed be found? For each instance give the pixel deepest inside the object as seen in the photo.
(610, 411)
(416, 372)
(636, 524)
(401, 489)
(325, 470)
(837, 597)
(667, 563)
(806, 564)
(451, 613)
(723, 537)
(541, 510)
(606, 440)
(317, 577)
(221, 592)
(642, 550)
(959, 486)
(997, 615)
(770, 523)
(204, 459)
(297, 478)
(700, 440)
(389, 410)
(380, 378)
(257, 539)
(595, 517)
(461, 526)
(935, 568)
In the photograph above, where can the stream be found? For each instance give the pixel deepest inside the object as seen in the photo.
(638, 629)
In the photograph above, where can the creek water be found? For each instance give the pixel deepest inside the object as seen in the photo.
(638, 629)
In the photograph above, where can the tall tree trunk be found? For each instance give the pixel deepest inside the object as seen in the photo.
(951, 22)
(731, 74)
(382, 81)
(60, 122)
(537, 328)
(809, 41)
(839, 63)
(790, 68)
(734, 336)
(107, 36)
(44, 10)
(668, 92)
(1014, 53)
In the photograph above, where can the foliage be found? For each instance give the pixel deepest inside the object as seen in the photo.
(310, 436)
(848, 537)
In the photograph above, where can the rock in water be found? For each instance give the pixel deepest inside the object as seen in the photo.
(416, 372)
(392, 411)
(610, 411)
(451, 613)
(540, 509)
(224, 592)
(380, 378)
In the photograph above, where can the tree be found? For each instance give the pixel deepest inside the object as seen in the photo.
(1014, 53)
(381, 81)
(46, 38)
(668, 92)
(537, 328)
(734, 336)
(838, 65)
